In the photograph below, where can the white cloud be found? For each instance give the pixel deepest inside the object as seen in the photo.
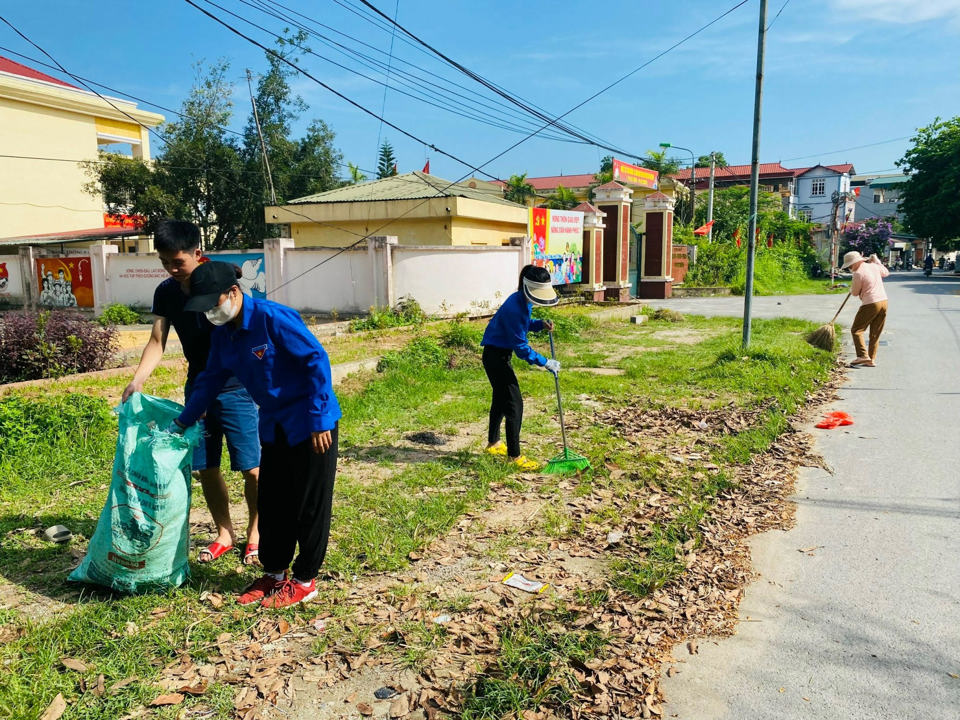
(900, 11)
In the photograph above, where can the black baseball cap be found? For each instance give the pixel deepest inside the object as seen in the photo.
(207, 283)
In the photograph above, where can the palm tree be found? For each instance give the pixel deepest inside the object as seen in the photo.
(658, 160)
(518, 190)
(356, 176)
(561, 199)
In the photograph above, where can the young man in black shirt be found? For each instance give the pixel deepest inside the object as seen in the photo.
(233, 415)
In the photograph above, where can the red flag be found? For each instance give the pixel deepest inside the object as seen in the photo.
(770, 240)
(394, 168)
(704, 229)
(736, 236)
(426, 168)
(856, 192)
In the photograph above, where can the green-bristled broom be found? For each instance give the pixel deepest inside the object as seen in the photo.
(568, 462)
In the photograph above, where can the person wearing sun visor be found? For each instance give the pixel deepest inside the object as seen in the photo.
(506, 335)
(269, 349)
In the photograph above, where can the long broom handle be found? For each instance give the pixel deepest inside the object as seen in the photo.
(838, 311)
(556, 381)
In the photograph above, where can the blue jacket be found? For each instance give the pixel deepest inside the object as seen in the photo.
(283, 366)
(509, 327)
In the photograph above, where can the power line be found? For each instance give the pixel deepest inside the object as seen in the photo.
(374, 20)
(502, 93)
(856, 147)
(386, 85)
(468, 113)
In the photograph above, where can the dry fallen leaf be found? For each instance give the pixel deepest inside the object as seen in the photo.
(55, 709)
(364, 709)
(169, 699)
(123, 683)
(198, 689)
(692, 647)
(400, 707)
(73, 664)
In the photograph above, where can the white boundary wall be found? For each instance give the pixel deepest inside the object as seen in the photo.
(343, 283)
(451, 280)
(12, 290)
(444, 280)
(132, 278)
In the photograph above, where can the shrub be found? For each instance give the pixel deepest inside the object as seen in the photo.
(422, 352)
(119, 314)
(460, 334)
(52, 343)
(407, 311)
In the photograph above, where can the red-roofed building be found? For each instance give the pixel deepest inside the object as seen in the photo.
(12, 67)
(776, 178)
(48, 127)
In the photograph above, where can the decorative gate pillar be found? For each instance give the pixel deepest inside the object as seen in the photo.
(591, 278)
(614, 200)
(656, 259)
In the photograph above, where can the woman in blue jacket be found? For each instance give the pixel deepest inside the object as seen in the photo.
(505, 335)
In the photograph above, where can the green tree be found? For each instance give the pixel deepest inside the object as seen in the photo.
(518, 190)
(356, 175)
(299, 166)
(561, 199)
(704, 160)
(658, 160)
(199, 175)
(929, 198)
(386, 161)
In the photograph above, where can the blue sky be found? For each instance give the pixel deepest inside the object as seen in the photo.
(839, 73)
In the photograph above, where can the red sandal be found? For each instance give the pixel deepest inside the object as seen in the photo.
(214, 550)
(251, 554)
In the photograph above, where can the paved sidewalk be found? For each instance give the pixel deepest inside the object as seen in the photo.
(856, 611)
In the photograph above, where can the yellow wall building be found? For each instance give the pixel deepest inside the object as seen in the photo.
(46, 127)
(417, 208)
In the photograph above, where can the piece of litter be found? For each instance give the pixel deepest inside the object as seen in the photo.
(442, 619)
(57, 534)
(614, 537)
(319, 624)
(385, 693)
(703, 425)
(518, 581)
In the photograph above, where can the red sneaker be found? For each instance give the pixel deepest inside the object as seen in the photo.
(290, 592)
(260, 589)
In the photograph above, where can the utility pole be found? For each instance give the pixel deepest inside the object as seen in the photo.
(263, 145)
(713, 165)
(833, 237)
(754, 175)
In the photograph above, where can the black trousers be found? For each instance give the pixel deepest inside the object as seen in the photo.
(507, 402)
(294, 501)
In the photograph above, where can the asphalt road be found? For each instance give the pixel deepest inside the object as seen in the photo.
(855, 613)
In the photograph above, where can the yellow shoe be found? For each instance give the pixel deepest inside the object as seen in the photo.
(524, 463)
(498, 449)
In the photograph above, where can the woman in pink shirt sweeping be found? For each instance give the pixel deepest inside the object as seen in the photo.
(867, 285)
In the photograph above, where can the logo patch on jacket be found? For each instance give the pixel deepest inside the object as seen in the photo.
(259, 351)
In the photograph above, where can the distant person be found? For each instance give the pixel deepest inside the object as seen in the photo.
(867, 285)
(505, 335)
(269, 348)
(231, 415)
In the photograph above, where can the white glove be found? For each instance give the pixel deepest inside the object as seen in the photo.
(553, 366)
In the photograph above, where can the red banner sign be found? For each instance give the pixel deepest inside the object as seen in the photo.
(124, 221)
(634, 175)
(65, 282)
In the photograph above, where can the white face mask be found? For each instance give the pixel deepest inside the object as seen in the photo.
(223, 313)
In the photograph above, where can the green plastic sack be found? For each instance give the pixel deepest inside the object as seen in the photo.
(142, 539)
